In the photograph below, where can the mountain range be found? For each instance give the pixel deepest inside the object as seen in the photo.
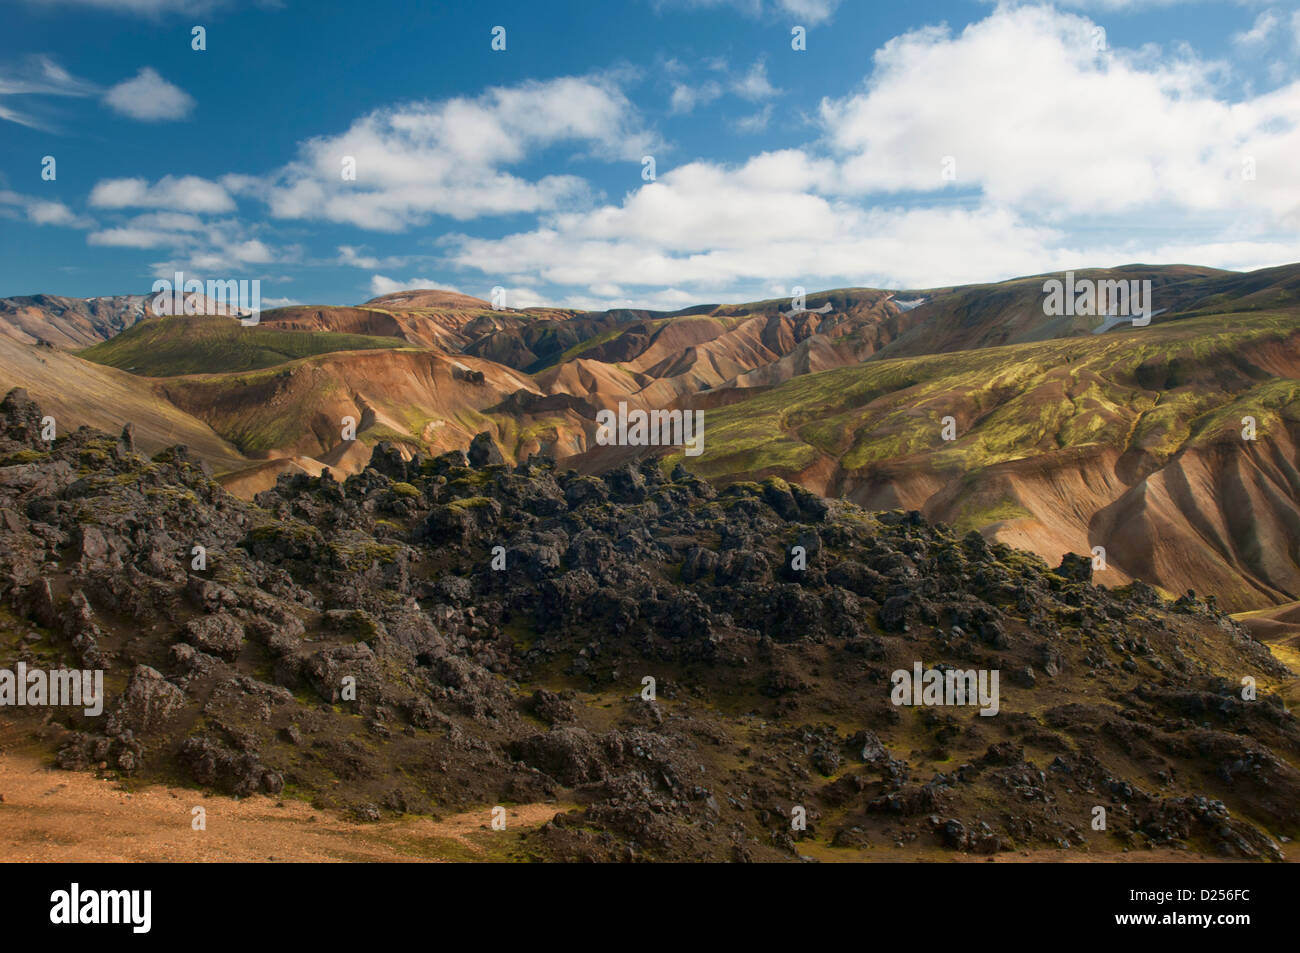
(1062, 440)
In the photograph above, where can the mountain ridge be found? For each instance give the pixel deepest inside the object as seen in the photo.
(1035, 401)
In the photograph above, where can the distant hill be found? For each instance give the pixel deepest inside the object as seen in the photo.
(199, 344)
(69, 322)
(78, 322)
(432, 298)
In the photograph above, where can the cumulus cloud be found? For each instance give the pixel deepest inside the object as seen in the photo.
(705, 225)
(383, 285)
(39, 211)
(187, 193)
(1036, 118)
(823, 244)
(149, 98)
(222, 253)
(419, 160)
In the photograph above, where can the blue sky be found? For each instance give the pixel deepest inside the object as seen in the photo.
(909, 145)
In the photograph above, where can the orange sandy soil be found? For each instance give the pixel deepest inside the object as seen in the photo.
(49, 815)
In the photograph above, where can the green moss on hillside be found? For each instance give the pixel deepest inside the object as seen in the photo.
(206, 344)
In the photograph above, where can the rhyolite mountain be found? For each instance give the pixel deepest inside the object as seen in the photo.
(480, 683)
(1066, 440)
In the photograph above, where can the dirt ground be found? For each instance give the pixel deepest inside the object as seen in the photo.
(48, 815)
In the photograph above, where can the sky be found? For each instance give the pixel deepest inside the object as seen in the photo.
(646, 153)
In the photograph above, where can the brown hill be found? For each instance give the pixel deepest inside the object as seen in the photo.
(434, 298)
(443, 320)
(419, 398)
(78, 393)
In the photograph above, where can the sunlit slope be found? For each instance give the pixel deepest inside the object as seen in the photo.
(78, 393)
(411, 396)
(195, 344)
(1131, 441)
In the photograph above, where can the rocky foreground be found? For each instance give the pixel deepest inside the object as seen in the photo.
(358, 645)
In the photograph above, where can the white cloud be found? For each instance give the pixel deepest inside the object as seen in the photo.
(383, 285)
(41, 211)
(1129, 6)
(348, 255)
(146, 7)
(1261, 33)
(522, 297)
(51, 213)
(188, 193)
(754, 84)
(815, 244)
(357, 257)
(156, 230)
(419, 160)
(704, 226)
(149, 97)
(686, 97)
(812, 11)
(1036, 119)
(755, 122)
(808, 12)
(223, 246)
(127, 237)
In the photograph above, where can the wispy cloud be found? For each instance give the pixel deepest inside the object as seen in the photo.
(37, 76)
(1261, 32)
(137, 7)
